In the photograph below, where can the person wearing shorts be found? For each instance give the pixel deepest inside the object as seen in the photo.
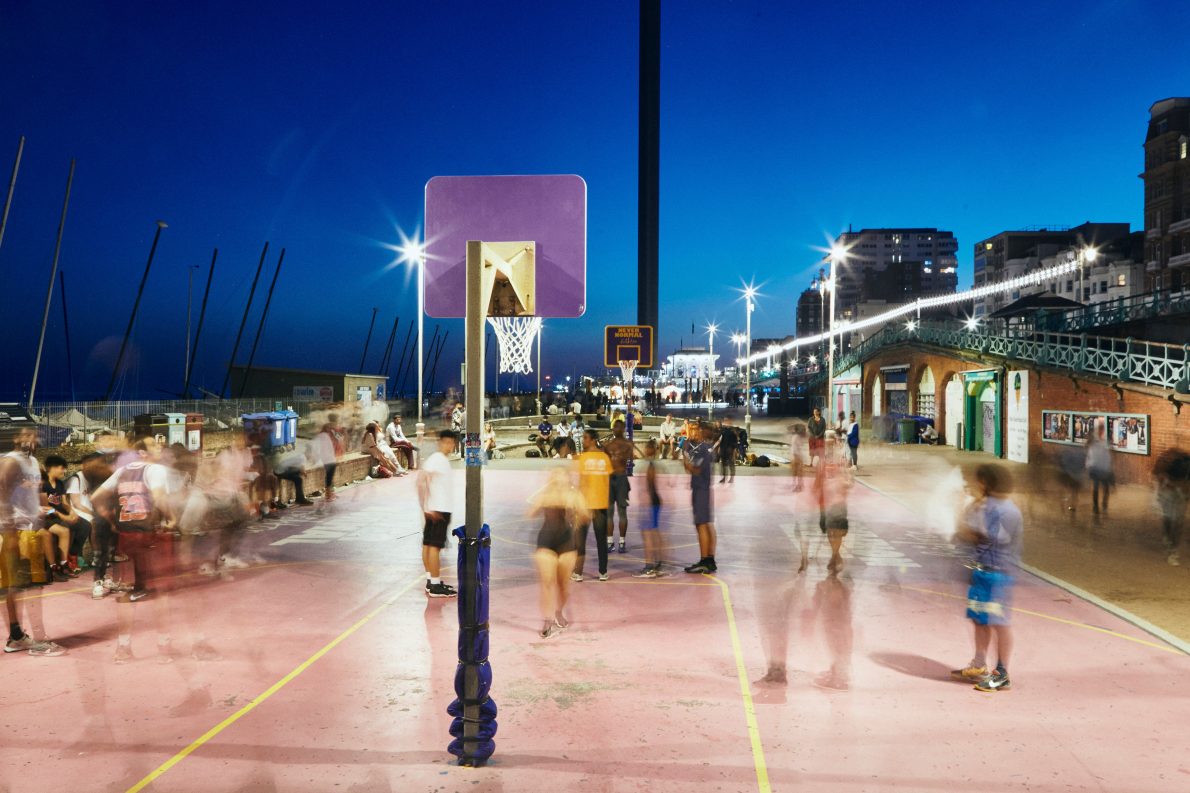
(561, 509)
(699, 462)
(993, 527)
(816, 427)
(621, 451)
(435, 492)
(832, 485)
(652, 532)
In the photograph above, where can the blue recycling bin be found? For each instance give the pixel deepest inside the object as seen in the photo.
(289, 421)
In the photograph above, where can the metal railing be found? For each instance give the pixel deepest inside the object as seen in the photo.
(1116, 312)
(1151, 363)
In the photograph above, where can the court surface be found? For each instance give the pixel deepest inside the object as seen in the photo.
(334, 669)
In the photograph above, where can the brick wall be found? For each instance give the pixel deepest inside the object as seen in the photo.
(1049, 389)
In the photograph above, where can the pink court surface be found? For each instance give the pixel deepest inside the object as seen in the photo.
(334, 670)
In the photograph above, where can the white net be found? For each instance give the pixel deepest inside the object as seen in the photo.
(627, 370)
(515, 337)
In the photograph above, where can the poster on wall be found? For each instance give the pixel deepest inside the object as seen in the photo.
(1018, 416)
(1126, 432)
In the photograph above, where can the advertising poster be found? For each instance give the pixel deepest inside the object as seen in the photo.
(1126, 432)
(1018, 416)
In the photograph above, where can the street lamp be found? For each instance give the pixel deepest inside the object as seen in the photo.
(838, 255)
(750, 306)
(1086, 256)
(413, 251)
(712, 328)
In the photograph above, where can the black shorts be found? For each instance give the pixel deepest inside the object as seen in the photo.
(559, 539)
(434, 533)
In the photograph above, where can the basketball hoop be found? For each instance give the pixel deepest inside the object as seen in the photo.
(515, 335)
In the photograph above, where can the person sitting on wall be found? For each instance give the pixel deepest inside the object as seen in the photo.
(929, 435)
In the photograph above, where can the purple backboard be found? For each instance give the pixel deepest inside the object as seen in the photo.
(549, 210)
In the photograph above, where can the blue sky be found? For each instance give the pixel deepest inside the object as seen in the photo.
(316, 128)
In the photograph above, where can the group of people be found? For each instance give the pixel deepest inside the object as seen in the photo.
(728, 442)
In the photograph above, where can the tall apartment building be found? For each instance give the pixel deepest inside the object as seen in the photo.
(811, 309)
(1167, 195)
(894, 265)
(1014, 253)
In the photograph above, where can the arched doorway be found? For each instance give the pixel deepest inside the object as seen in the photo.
(877, 394)
(924, 399)
(953, 410)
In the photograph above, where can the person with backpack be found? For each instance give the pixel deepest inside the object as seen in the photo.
(853, 440)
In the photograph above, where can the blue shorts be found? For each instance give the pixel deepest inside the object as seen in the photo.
(989, 599)
(700, 500)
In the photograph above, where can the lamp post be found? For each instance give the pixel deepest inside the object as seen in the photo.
(838, 254)
(1086, 256)
(412, 251)
(189, 306)
(750, 306)
(711, 330)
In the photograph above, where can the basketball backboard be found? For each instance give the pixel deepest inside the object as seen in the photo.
(628, 343)
(548, 213)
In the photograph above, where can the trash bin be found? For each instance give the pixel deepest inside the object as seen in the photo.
(906, 431)
(265, 429)
(175, 428)
(194, 432)
(152, 425)
(289, 421)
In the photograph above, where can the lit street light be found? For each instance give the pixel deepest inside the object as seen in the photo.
(1086, 256)
(838, 255)
(711, 330)
(413, 251)
(750, 305)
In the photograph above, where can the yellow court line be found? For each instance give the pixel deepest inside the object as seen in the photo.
(762, 771)
(273, 689)
(1052, 618)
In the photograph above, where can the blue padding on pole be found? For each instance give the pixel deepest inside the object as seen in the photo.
(478, 710)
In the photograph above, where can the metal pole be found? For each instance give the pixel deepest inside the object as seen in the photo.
(49, 294)
(12, 183)
(437, 355)
(540, 330)
(136, 304)
(260, 328)
(421, 335)
(711, 377)
(469, 578)
(830, 366)
(66, 329)
(748, 367)
(202, 313)
(244, 320)
(388, 348)
(368, 340)
(189, 308)
(405, 361)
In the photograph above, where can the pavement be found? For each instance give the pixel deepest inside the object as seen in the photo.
(334, 670)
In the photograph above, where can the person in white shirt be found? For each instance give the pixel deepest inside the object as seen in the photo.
(435, 492)
(489, 440)
(665, 437)
(576, 407)
(397, 440)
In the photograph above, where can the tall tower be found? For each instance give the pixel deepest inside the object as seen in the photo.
(648, 163)
(1167, 195)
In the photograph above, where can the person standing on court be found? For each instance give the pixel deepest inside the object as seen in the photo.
(728, 445)
(562, 511)
(621, 451)
(993, 527)
(594, 473)
(699, 462)
(1099, 467)
(853, 440)
(435, 491)
(816, 427)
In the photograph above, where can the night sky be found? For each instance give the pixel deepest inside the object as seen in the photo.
(317, 129)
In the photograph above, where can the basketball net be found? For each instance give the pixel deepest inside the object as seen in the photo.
(627, 369)
(515, 335)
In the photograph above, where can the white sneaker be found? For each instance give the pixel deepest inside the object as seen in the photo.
(1173, 560)
(233, 563)
(576, 577)
(207, 569)
(47, 649)
(99, 591)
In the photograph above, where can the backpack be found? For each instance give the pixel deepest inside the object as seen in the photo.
(762, 462)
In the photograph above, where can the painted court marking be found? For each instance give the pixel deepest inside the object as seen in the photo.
(273, 689)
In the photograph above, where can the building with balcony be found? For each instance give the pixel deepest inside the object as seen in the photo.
(1167, 195)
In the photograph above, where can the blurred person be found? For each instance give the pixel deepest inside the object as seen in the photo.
(458, 417)
(435, 492)
(566, 449)
(227, 512)
(564, 430)
(374, 445)
(853, 440)
(58, 519)
(816, 427)
(94, 471)
(666, 436)
(329, 446)
(1171, 480)
(545, 436)
(651, 533)
(263, 485)
(20, 513)
(488, 440)
(576, 407)
(832, 607)
(594, 476)
(394, 434)
(832, 486)
(621, 451)
(1099, 466)
(728, 446)
(699, 461)
(138, 500)
(1072, 462)
(579, 429)
(929, 435)
(993, 527)
(562, 511)
(291, 467)
(799, 448)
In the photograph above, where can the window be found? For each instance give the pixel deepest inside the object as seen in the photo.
(1070, 285)
(1182, 148)
(1103, 287)
(1121, 280)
